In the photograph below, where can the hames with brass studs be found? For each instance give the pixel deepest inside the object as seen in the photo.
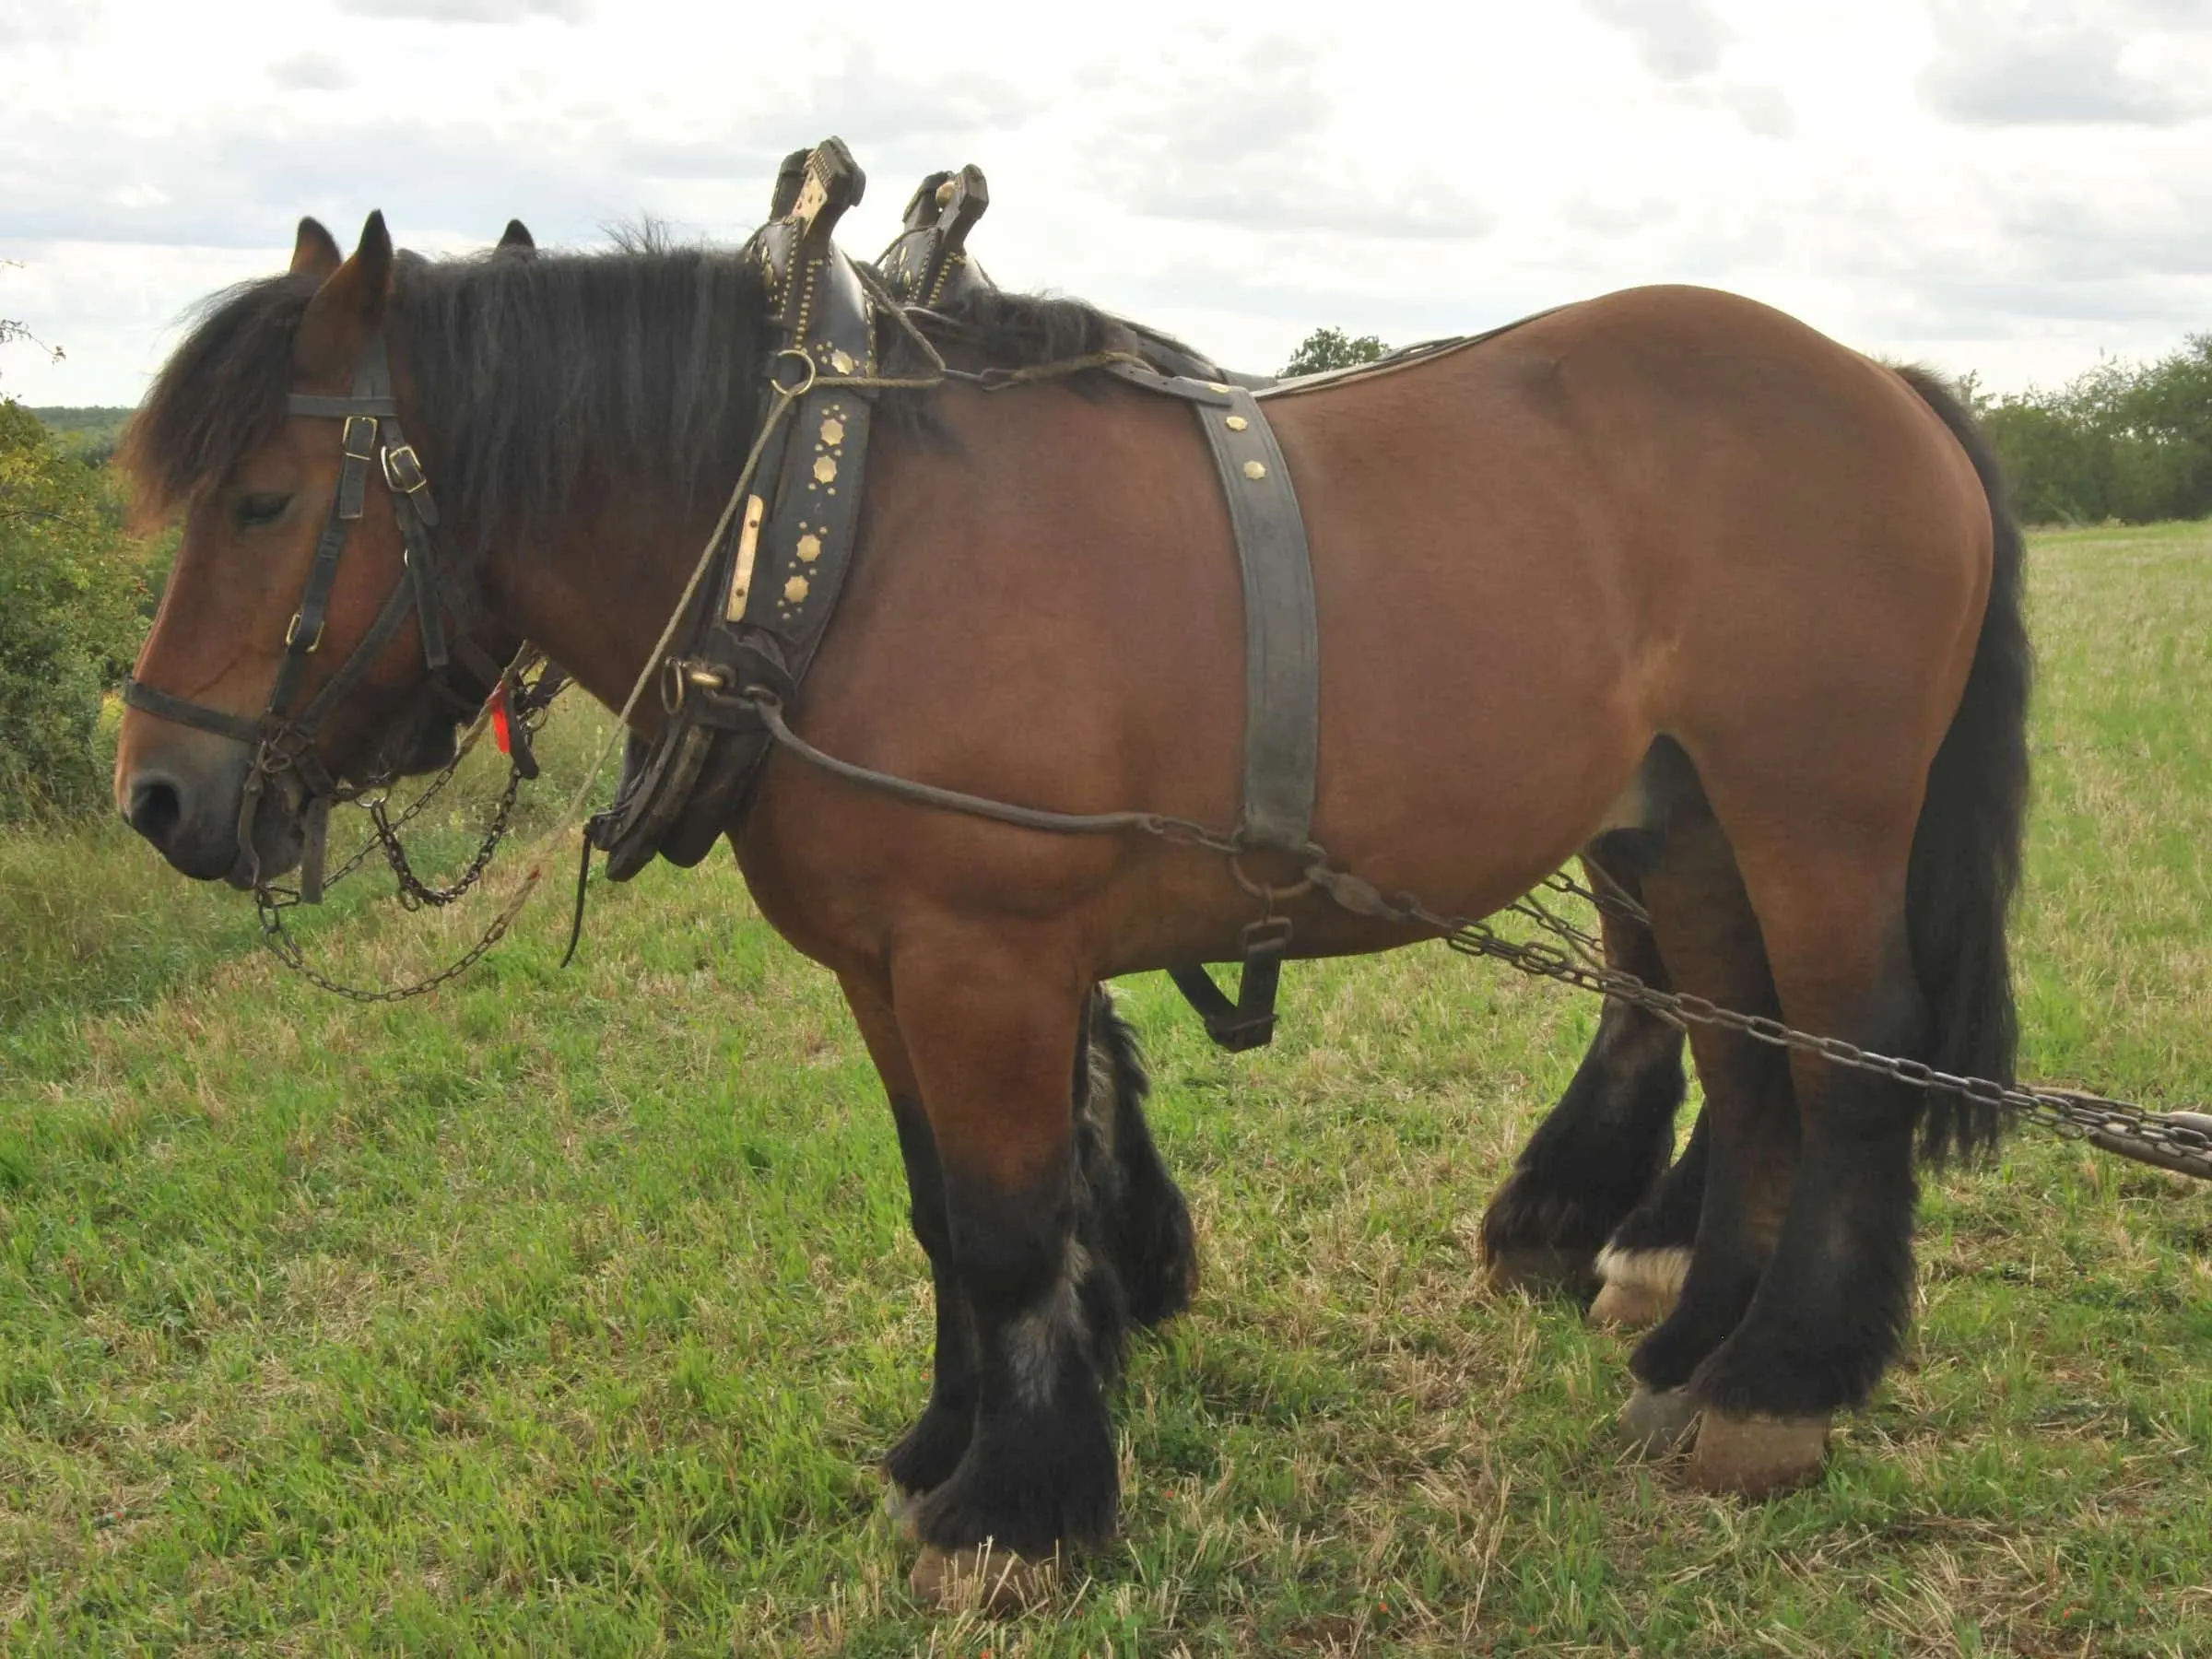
(1664, 577)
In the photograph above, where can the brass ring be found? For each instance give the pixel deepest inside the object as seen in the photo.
(775, 376)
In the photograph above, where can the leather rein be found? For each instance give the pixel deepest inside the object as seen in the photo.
(431, 587)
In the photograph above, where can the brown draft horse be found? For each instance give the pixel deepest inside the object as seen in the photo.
(1666, 577)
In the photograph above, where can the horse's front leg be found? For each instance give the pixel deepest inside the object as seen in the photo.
(927, 1453)
(992, 1031)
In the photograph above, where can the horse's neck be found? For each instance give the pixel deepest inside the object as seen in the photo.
(595, 595)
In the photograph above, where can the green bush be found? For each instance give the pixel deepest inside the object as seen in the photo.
(2126, 441)
(72, 611)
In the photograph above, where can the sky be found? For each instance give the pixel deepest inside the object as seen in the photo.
(2010, 187)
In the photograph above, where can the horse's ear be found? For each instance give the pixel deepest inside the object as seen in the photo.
(347, 309)
(314, 251)
(516, 238)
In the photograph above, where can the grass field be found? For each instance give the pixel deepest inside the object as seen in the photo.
(566, 1311)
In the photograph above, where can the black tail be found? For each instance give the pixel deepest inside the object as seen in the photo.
(1966, 850)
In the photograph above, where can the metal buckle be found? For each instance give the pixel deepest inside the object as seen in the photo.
(292, 633)
(367, 449)
(401, 464)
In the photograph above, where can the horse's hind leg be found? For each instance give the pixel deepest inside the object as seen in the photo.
(1834, 1303)
(1596, 1156)
(1741, 1176)
(1143, 1221)
(1645, 1261)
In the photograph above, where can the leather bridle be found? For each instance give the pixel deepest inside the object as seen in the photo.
(429, 587)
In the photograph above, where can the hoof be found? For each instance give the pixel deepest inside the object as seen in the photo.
(1755, 1457)
(1655, 1425)
(1628, 1308)
(1540, 1268)
(1641, 1286)
(900, 1505)
(982, 1579)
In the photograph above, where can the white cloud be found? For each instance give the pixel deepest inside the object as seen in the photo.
(1677, 38)
(41, 22)
(2030, 62)
(468, 11)
(312, 71)
(2068, 78)
(1236, 183)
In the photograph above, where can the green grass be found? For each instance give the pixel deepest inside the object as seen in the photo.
(567, 1311)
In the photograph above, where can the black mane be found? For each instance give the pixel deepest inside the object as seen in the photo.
(533, 376)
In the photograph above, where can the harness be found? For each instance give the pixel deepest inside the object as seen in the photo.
(431, 588)
(756, 620)
(758, 617)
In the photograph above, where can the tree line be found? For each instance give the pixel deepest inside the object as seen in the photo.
(2126, 441)
(2123, 441)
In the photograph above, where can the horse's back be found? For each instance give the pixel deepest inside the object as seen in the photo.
(1668, 509)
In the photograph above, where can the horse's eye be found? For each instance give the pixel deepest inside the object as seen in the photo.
(254, 510)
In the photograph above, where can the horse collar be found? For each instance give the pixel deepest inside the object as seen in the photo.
(760, 612)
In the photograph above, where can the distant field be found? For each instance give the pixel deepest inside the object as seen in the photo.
(565, 1312)
(93, 430)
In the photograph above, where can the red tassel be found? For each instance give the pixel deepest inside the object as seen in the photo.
(500, 731)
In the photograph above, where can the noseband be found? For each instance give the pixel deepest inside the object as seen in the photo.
(282, 741)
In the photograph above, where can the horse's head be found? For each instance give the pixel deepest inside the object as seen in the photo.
(311, 633)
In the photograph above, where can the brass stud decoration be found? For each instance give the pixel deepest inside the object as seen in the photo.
(825, 469)
(840, 361)
(809, 547)
(794, 591)
(1217, 386)
(1254, 470)
(833, 429)
(1236, 423)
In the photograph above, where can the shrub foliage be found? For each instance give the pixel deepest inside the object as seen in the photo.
(2126, 441)
(72, 611)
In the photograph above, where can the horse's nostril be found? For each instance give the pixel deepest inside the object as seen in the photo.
(156, 807)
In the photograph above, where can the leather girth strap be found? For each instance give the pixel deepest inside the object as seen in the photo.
(1282, 681)
(929, 265)
(761, 612)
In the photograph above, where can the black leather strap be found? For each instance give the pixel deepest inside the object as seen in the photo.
(1248, 1022)
(1282, 637)
(1282, 640)
(141, 696)
(304, 635)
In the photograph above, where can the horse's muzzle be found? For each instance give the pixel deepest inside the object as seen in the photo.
(191, 815)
